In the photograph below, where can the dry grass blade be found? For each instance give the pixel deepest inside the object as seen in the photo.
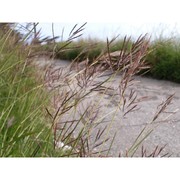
(63, 128)
(70, 125)
(48, 112)
(130, 110)
(72, 30)
(75, 34)
(110, 146)
(100, 153)
(109, 56)
(138, 141)
(143, 151)
(99, 133)
(101, 143)
(70, 133)
(136, 144)
(163, 106)
(155, 153)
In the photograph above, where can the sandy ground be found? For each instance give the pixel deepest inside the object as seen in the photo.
(166, 129)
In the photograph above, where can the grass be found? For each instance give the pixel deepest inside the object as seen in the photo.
(45, 117)
(84, 48)
(24, 131)
(163, 57)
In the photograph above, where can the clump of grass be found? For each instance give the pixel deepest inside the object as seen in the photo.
(23, 127)
(165, 59)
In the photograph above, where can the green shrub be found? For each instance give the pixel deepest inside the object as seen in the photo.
(165, 60)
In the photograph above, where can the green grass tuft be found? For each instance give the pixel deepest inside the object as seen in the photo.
(23, 125)
(165, 60)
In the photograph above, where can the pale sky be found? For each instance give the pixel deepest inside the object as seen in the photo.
(110, 30)
(141, 11)
(108, 18)
(105, 18)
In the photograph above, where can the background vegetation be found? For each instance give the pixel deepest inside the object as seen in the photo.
(163, 57)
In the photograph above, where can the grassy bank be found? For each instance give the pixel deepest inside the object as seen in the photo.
(24, 130)
(164, 56)
(165, 59)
